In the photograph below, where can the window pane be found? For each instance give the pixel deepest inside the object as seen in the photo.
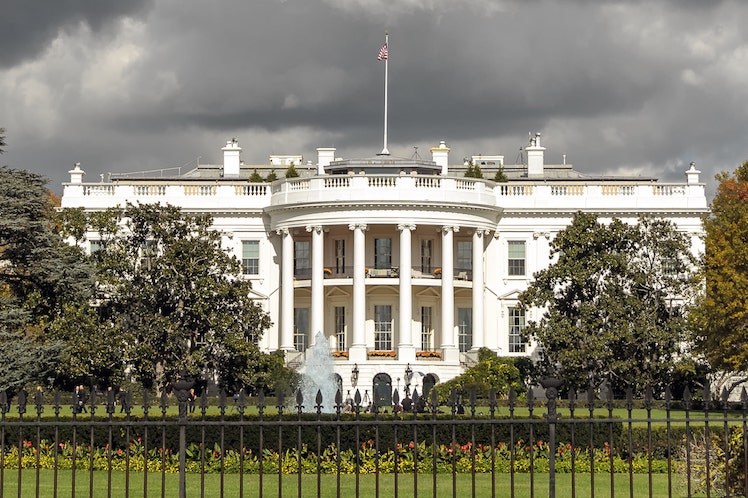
(340, 256)
(516, 261)
(340, 327)
(300, 328)
(301, 259)
(426, 246)
(251, 257)
(383, 327)
(516, 325)
(427, 329)
(465, 328)
(382, 253)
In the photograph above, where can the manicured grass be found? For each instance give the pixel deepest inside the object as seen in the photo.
(367, 485)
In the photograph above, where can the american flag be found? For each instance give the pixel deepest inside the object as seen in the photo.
(382, 53)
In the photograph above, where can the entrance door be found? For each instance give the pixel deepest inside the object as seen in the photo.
(382, 390)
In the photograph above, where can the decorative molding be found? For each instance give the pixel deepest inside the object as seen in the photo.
(406, 226)
(314, 228)
(357, 226)
(283, 231)
(545, 235)
(452, 228)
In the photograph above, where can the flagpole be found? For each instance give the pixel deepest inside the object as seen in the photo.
(386, 152)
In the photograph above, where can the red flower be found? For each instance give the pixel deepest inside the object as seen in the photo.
(411, 445)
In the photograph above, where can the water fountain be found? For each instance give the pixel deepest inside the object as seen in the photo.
(319, 375)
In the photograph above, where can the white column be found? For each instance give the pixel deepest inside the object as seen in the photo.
(287, 303)
(357, 351)
(479, 334)
(448, 295)
(406, 351)
(317, 319)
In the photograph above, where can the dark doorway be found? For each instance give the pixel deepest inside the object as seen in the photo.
(382, 390)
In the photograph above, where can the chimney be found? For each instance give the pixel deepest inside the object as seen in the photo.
(231, 161)
(535, 157)
(76, 174)
(692, 174)
(440, 155)
(325, 155)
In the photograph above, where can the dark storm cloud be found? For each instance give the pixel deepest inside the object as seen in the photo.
(28, 26)
(618, 86)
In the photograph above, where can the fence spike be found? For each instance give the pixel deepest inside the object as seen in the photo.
(744, 398)
(648, 397)
(668, 397)
(572, 399)
(357, 398)
(338, 398)
(687, 397)
(318, 400)
(725, 398)
(629, 398)
(396, 398)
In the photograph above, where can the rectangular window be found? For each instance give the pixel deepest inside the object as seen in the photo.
(383, 327)
(340, 327)
(382, 254)
(426, 255)
(301, 261)
(300, 328)
(251, 257)
(465, 329)
(464, 265)
(516, 260)
(517, 325)
(340, 256)
(427, 328)
(94, 246)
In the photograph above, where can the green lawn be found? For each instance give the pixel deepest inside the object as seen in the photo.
(367, 485)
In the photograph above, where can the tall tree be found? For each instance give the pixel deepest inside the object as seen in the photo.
(721, 315)
(40, 274)
(608, 303)
(176, 297)
(2, 140)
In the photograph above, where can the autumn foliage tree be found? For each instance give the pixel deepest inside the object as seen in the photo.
(720, 317)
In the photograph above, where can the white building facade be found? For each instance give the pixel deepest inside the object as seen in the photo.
(406, 266)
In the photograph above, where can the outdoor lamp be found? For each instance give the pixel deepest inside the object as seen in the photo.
(408, 374)
(354, 375)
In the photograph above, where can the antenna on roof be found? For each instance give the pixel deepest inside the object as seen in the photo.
(415, 152)
(520, 157)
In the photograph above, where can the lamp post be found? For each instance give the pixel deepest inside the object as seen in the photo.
(408, 377)
(354, 375)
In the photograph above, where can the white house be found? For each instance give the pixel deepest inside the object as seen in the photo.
(405, 265)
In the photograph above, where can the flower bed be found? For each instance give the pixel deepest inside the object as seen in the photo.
(381, 354)
(409, 457)
(428, 354)
(339, 354)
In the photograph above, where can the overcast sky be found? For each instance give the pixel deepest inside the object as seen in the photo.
(620, 87)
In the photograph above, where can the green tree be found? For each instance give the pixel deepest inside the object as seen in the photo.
(255, 177)
(720, 317)
(491, 373)
(177, 298)
(2, 140)
(608, 303)
(292, 172)
(271, 177)
(40, 274)
(500, 176)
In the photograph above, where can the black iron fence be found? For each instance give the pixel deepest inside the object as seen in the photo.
(179, 445)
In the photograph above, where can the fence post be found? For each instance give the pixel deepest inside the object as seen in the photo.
(182, 391)
(551, 393)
